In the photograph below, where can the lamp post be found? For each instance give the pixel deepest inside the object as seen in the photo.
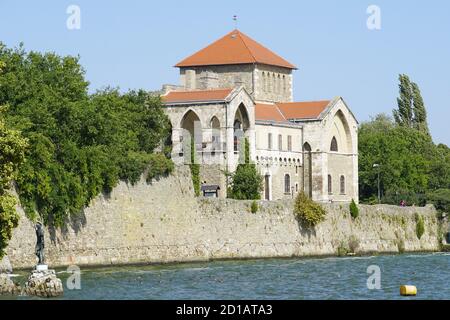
(376, 165)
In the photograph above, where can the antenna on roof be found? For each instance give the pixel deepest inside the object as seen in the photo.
(235, 17)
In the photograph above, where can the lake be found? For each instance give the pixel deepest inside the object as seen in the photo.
(307, 278)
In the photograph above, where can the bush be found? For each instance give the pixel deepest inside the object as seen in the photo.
(247, 183)
(420, 227)
(440, 199)
(254, 207)
(159, 166)
(307, 211)
(354, 210)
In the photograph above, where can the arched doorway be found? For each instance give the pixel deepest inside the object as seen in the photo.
(215, 135)
(307, 169)
(241, 124)
(192, 135)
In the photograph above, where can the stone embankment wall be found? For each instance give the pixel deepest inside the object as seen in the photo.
(163, 222)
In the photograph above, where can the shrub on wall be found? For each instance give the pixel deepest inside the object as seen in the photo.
(159, 166)
(420, 226)
(308, 211)
(354, 210)
(254, 207)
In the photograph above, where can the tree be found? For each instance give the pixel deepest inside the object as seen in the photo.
(81, 144)
(404, 115)
(420, 113)
(12, 150)
(406, 156)
(412, 165)
(411, 110)
(246, 181)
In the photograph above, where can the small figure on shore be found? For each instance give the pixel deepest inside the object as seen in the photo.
(403, 203)
(39, 250)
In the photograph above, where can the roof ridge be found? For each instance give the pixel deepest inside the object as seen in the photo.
(281, 113)
(246, 45)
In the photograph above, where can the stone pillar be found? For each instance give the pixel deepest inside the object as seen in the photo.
(230, 158)
(177, 145)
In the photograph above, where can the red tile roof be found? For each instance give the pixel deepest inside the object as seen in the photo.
(303, 110)
(235, 48)
(268, 112)
(282, 112)
(196, 96)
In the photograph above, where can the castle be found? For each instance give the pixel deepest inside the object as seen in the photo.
(236, 89)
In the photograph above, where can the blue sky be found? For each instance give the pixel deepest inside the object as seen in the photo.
(134, 44)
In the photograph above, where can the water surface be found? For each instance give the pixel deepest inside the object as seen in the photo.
(326, 278)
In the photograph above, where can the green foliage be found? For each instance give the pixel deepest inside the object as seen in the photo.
(411, 198)
(307, 211)
(195, 169)
(420, 227)
(247, 182)
(246, 151)
(354, 210)
(440, 199)
(159, 166)
(12, 152)
(80, 144)
(411, 164)
(254, 207)
(411, 110)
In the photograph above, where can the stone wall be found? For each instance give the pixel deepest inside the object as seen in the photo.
(163, 222)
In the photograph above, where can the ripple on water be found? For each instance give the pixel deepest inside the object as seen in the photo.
(328, 278)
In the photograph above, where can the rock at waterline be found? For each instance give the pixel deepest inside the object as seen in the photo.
(43, 284)
(7, 286)
(5, 265)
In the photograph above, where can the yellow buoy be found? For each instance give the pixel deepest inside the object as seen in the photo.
(408, 290)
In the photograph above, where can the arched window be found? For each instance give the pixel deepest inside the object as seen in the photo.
(280, 142)
(334, 145)
(287, 184)
(342, 185)
(215, 133)
(269, 141)
(284, 84)
(330, 184)
(307, 147)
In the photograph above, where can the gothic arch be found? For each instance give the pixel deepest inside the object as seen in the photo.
(191, 129)
(334, 145)
(215, 133)
(307, 169)
(341, 132)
